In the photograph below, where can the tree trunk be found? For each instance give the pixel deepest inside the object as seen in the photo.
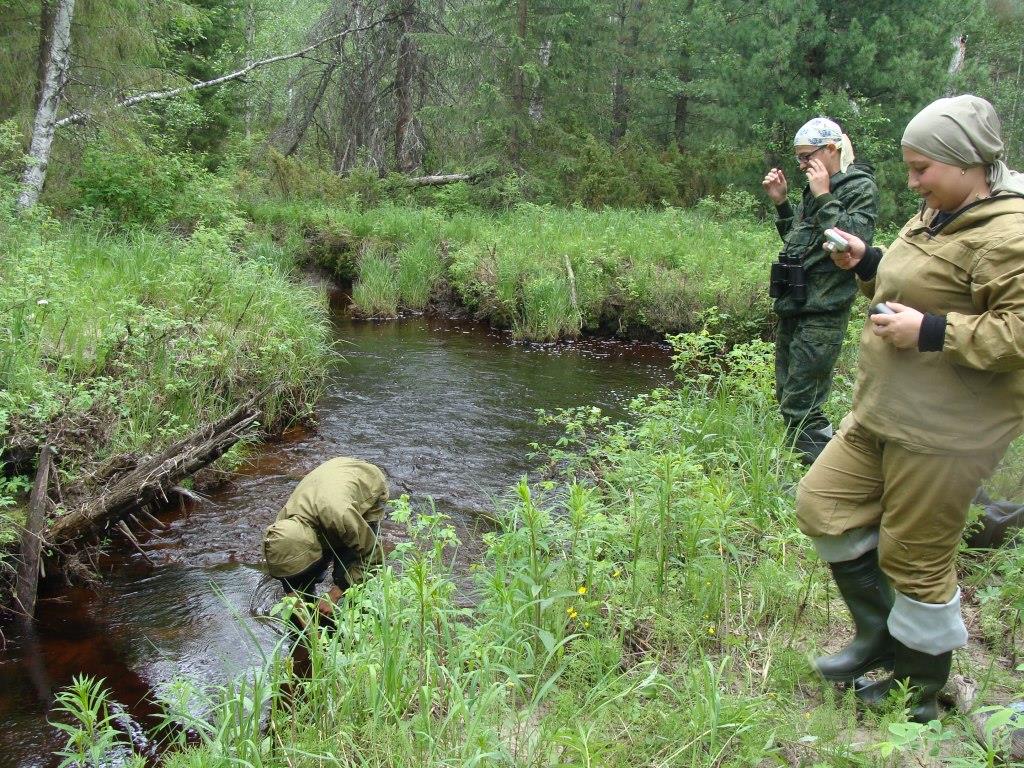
(629, 40)
(45, 28)
(682, 114)
(250, 39)
(32, 537)
(54, 79)
(956, 63)
(404, 74)
(299, 132)
(518, 79)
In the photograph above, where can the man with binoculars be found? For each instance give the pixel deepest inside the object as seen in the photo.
(812, 296)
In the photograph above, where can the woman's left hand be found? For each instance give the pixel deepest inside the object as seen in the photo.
(901, 329)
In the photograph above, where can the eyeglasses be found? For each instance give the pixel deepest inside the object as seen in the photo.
(806, 156)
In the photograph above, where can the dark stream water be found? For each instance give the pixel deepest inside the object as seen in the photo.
(446, 409)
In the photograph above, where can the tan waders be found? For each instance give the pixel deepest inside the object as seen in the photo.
(879, 513)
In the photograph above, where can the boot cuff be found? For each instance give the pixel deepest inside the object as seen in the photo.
(928, 627)
(846, 546)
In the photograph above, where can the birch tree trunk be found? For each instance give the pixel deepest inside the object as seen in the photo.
(956, 63)
(56, 75)
(537, 100)
(250, 39)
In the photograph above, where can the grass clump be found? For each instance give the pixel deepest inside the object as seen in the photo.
(547, 273)
(376, 291)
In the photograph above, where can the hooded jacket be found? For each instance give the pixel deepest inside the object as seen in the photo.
(970, 395)
(329, 512)
(852, 205)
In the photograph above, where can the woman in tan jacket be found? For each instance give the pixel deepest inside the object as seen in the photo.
(939, 397)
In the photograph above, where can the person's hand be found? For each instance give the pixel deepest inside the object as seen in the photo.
(849, 258)
(776, 186)
(817, 177)
(901, 329)
(327, 602)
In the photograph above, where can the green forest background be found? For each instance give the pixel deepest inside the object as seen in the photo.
(624, 103)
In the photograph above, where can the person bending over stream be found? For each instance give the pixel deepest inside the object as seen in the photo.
(332, 518)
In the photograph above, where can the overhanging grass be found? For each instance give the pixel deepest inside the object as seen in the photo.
(548, 273)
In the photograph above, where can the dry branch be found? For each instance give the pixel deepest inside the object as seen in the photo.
(131, 101)
(155, 477)
(965, 692)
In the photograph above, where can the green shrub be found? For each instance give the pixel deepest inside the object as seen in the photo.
(136, 186)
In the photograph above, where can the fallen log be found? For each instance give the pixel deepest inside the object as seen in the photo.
(31, 538)
(439, 179)
(154, 477)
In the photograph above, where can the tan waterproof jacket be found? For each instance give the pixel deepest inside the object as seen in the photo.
(335, 503)
(969, 396)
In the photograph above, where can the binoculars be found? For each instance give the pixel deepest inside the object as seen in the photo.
(788, 277)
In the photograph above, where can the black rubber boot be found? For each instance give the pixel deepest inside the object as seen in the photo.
(925, 675)
(810, 443)
(869, 597)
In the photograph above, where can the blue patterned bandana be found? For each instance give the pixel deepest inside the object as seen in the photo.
(817, 132)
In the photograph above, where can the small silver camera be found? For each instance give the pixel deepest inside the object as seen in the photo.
(837, 241)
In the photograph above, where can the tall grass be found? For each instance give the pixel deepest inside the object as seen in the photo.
(137, 338)
(547, 273)
(652, 604)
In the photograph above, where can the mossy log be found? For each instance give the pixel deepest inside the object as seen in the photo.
(31, 537)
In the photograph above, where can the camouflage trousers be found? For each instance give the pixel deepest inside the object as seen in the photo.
(806, 350)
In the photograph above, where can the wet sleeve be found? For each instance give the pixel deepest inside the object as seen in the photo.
(784, 222)
(994, 339)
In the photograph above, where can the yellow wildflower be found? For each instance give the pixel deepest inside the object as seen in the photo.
(616, 574)
(582, 590)
(711, 630)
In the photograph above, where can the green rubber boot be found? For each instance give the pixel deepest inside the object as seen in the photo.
(809, 443)
(925, 675)
(869, 597)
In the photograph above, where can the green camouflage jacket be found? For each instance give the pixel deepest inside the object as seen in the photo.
(851, 205)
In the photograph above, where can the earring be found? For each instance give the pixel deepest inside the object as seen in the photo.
(963, 171)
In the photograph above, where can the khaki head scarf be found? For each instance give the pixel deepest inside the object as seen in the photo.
(963, 131)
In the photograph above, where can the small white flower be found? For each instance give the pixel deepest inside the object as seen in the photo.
(43, 302)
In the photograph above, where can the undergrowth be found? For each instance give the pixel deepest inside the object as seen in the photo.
(651, 603)
(120, 343)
